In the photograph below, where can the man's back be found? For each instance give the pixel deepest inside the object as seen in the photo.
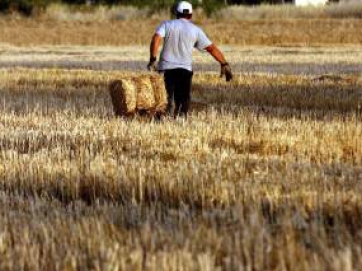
(180, 37)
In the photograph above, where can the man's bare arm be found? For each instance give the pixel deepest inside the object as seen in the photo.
(155, 45)
(225, 67)
(216, 53)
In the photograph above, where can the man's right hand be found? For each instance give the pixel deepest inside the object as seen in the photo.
(226, 71)
(152, 64)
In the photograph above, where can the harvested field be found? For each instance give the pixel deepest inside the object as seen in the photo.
(265, 174)
(312, 61)
(276, 32)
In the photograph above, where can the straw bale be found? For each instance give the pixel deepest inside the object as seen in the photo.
(145, 94)
(159, 93)
(124, 96)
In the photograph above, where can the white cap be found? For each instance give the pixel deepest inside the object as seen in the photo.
(184, 8)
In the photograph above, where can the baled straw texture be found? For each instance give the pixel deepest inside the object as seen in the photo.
(124, 97)
(145, 94)
(160, 93)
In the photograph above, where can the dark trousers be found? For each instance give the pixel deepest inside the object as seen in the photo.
(178, 85)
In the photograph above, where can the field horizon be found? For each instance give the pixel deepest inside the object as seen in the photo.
(260, 32)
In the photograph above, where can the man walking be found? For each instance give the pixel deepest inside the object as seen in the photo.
(180, 36)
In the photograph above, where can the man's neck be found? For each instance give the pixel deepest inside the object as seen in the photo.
(187, 20)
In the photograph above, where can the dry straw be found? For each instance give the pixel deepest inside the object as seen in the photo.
(138, 94)
(123, 97)
(159, 92)
(145, 94)
(132, 194)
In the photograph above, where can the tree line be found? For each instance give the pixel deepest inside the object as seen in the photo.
(27, 7)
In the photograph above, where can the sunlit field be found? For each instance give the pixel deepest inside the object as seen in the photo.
(265, 173)
(277, 31)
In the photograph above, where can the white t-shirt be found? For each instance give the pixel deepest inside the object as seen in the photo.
(180, 37)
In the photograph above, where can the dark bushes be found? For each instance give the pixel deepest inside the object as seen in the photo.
(28, 7)
(25, 7)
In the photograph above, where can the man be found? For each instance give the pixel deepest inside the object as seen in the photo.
(180, 36)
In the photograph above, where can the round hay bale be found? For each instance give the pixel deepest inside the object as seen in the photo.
(160, 93)
(123, 95)
(145, 95)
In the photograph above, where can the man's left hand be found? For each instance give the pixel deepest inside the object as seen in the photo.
(226, 71)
